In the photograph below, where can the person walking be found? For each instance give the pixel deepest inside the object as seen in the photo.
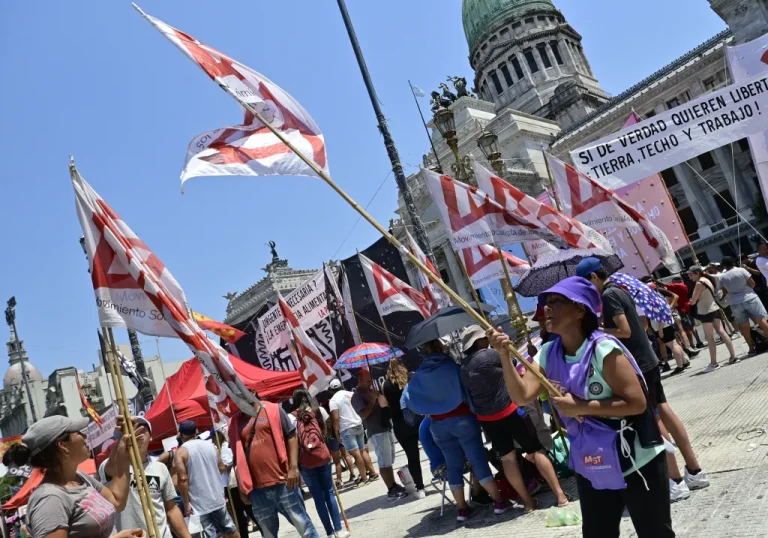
(198, 467)
(737, 285)
(435, 390)
(686, 323)
(348, 428)
(604, 406)
(621, 321)
(266, 450)
(365, 402)
(708, 313)
(406, 434)
(482, 375)
(163, 494)
(68, 503)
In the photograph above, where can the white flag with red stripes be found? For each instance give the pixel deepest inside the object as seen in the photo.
(136, 291)
(389, 292)
(433, 293)
(249, 149)
(602, 209)
(472, 218)
(483, 265)
(314, 371)
(566, 229)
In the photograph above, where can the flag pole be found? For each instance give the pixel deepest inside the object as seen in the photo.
(552, 185)
(138, 469)
(471, 286)
(229, 491)
(546, 384)
(511, 297)
(424, 123)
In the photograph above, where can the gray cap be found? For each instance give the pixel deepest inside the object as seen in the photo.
(695, 269)
(44, 432)
(470, 335)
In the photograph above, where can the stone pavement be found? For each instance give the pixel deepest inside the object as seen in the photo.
(724, 413)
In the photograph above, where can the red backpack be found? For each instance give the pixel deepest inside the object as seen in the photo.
(312, 449)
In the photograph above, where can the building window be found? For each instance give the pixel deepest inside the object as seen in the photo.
(532, 65)
(556, 52)
(672, 103)
(688, 220)
(504, 32)
(744, 144)
(544, 56)
(542, 18)
(493, 38)
(444, 275)
(485, 46)
(516, 25)
(725, 204)
(517, 67)
(710, 84)
(507, 75)
(496, 83)
(650, 114)
(669, 177)
(529, 20)
(685, 96)
(706, 161)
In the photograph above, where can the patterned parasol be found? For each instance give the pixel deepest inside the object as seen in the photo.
(366, 354)
(653, 303)
(553, 267)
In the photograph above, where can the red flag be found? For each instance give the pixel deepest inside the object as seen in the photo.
(86, 404)
(389, 292)
(249, 149)
(228, 333)
(567, 229)
(314, 371)
(483, 266)
(600, 208)
(161, 307)
(433, 293)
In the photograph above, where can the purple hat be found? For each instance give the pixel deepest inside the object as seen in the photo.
(577, 289)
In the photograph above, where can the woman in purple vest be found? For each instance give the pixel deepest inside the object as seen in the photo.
(616, 448)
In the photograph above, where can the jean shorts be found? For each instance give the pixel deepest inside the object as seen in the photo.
(384, 445)
(353, 438)
(751, 308)
(217, 522)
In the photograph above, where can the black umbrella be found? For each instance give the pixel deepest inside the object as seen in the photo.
(443, 322)
(553, 267)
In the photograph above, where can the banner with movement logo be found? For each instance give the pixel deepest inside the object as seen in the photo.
(679, 134)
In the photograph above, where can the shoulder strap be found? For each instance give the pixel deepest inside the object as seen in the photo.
(253, 431)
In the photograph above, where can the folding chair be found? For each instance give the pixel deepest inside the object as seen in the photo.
(440, 475)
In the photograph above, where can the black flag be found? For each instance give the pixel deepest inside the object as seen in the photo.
(341, 330)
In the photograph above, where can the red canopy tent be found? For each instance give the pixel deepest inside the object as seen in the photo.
(190, 401)
(23, 495)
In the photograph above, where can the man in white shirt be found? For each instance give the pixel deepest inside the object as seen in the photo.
(348, 427)
(762, 259)
(738, 285)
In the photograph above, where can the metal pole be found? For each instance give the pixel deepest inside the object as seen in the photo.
(10, 317)
(389, 143)
(423, 122)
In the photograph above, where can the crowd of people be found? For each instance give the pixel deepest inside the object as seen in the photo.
(599, 349)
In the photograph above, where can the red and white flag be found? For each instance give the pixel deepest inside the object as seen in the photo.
(566, 229)
(389, 292)
(249, 149)
(602, 209)
(483, 265)
(473, 218)
(315, 372)
(136, 291)
(433, 293)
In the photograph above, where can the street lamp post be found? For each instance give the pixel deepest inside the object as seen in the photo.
(10, 319)
(446, 124)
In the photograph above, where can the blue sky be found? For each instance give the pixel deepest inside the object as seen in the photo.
(93, 79)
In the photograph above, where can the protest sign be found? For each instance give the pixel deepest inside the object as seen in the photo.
(679, 134)
(96, 434)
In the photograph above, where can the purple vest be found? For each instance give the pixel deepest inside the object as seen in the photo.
(594, 453)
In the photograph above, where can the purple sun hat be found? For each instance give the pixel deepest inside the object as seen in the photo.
(577, 289)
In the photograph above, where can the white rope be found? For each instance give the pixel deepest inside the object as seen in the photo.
(626, 450)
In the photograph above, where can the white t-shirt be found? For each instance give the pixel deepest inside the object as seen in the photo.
(228, 459)
(762, 264)
(348, 417)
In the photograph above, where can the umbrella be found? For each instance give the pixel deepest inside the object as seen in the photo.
(652, 302)
(553, 267)
(443, 322)
(366, 354)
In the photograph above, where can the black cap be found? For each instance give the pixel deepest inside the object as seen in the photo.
(188, 427)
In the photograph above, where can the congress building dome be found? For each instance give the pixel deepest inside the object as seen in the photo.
(480, 17)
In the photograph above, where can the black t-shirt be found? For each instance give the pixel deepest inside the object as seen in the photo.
(616, 301)
(393, 393)
(377, 421)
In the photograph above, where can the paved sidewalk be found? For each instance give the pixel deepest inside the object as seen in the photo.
(723, 412)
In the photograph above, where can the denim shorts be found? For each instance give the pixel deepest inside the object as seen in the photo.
(217, 522)
(751, 308)
(384, 445)
(353, 438)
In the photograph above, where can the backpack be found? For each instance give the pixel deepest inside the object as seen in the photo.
(313, 451)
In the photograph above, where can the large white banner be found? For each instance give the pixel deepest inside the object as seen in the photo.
(308, 303)
(679, 134)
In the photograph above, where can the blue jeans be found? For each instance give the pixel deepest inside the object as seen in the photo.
(217, 522)
(433, 452)
(320, 483)
(267, 502)
(459, 439)
(353, 438)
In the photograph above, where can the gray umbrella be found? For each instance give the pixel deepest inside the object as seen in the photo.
(443, 322)
(553, 267)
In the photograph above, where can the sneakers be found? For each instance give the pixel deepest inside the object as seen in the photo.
(678, 370)
(420, 494)
(499, 507)
(397, 493)
(696, 481)
(691, 353)
(462, 515)
(372, 477)
(752, 353)
(701, 345)
(711, 368)
(678, 492)
(342, 534)
(665, 367)
(359, 482)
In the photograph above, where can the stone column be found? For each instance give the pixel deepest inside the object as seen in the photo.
(552, 58)
(742, 195)
(567, 54)
(703, 211)
(524, 64)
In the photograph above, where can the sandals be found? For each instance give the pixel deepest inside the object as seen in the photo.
(568, 497)
(530, 510)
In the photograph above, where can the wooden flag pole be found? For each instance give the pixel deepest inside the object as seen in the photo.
(138, 467)
(391, 238)
(511, 297)
(552, 184)
(472, 289)
(229, 491)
